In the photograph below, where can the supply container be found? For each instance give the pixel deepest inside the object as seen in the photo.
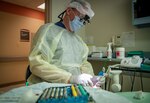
(97, 54)
(92, 48)
(120, 52)
(109, 51)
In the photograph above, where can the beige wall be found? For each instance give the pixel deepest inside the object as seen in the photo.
(114, 17)
(11, 47)
(10, 25)
(12, 71)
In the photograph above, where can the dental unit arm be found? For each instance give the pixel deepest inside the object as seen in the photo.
(114, 76)
(99, 80)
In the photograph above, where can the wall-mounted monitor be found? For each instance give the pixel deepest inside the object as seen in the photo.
(141, 13)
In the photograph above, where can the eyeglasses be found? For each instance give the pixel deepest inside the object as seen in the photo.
(85, 19)
(60, 16)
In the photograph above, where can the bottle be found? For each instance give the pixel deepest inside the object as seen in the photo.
(109, 51)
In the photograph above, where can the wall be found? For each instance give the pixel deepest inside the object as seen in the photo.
(10, 26)
(111, 18)
(114, 17)
(13, 53)
(13, 71)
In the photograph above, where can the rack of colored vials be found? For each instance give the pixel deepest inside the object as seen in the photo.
(67, 94)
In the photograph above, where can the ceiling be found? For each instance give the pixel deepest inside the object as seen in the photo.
(27, 3)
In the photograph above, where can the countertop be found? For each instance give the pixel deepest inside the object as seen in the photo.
(104, 59)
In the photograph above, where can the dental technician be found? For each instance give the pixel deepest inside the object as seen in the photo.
(58, 54)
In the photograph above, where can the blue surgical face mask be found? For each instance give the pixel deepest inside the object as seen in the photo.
(76, 24)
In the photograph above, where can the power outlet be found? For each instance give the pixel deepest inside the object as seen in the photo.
(116, 40)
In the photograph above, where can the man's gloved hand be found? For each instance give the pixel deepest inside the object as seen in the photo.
(83, 79)
(98, 81)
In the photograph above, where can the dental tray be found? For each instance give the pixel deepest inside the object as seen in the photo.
(67, 94)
